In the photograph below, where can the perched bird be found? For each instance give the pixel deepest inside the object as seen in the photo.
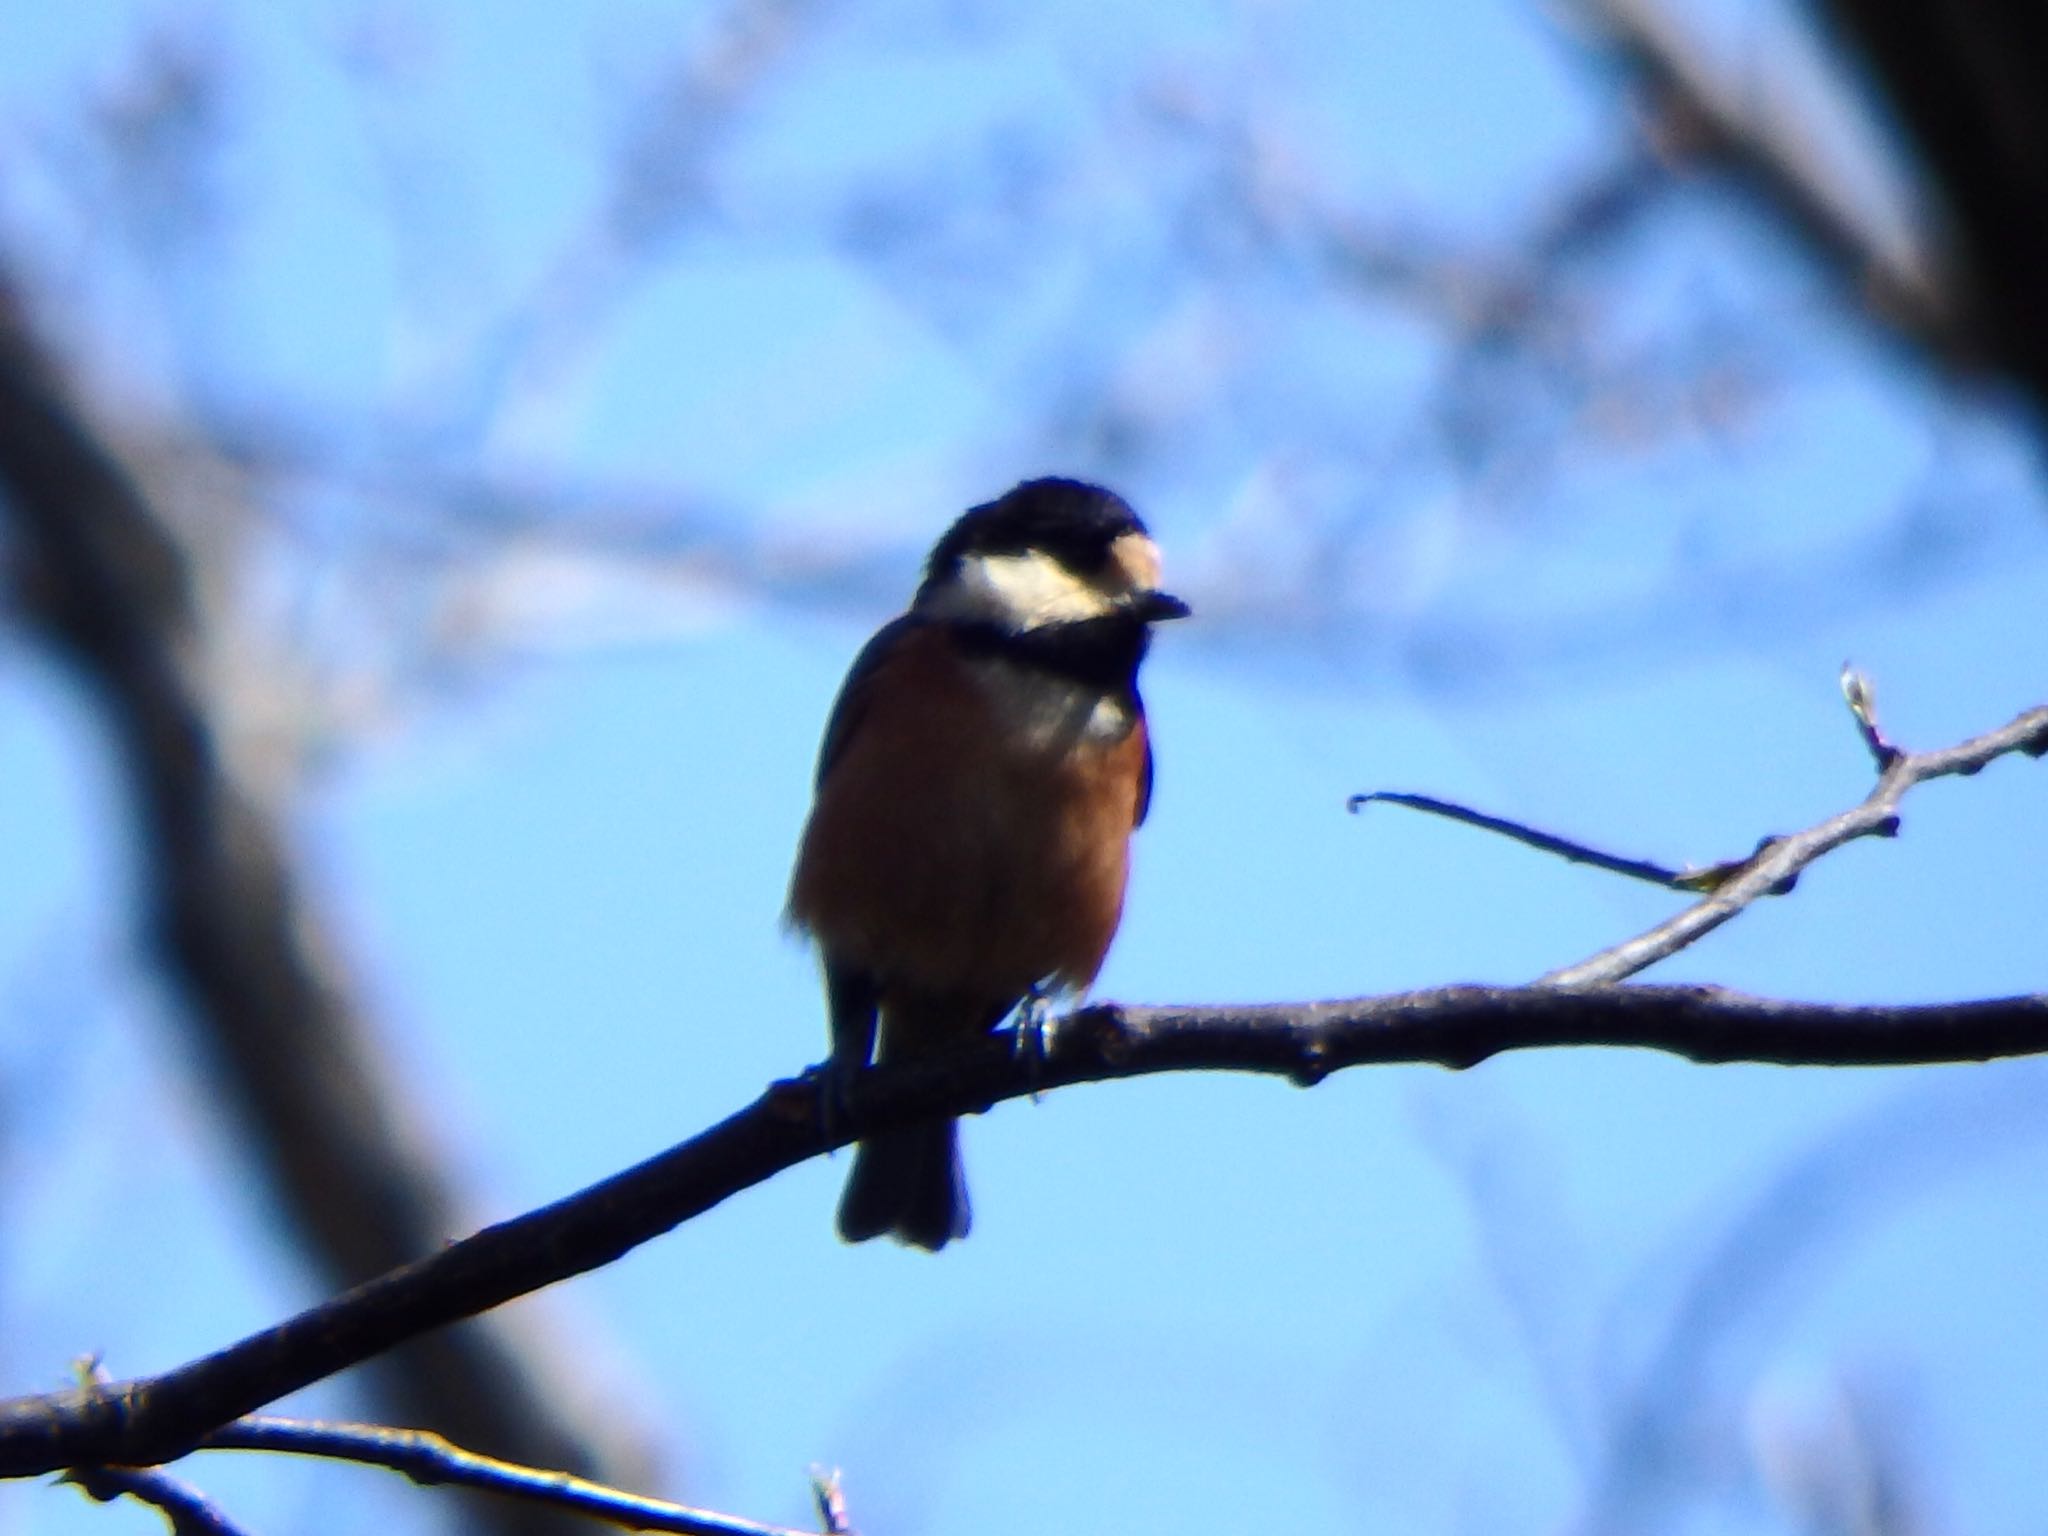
(982, 771)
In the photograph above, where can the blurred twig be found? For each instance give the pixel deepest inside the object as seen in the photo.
(1694, 1374)
(658, 182)
(429, 1459)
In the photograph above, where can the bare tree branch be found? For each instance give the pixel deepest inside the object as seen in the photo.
(161, 1417)
(1777, 156)
(154, 1419)
(1779, 860)
(1965, 285)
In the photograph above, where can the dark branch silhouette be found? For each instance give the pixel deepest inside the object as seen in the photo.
(185, 1509)
(162, 1417)
(1962, 82)
(1965, 83)
(1569, 849)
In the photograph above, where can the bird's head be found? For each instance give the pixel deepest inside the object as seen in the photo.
(1050, 552)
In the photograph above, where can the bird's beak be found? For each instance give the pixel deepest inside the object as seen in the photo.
(1154, 606)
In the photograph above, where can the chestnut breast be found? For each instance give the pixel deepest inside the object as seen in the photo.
(971, 834)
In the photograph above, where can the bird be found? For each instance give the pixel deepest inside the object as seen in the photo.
(968, 844)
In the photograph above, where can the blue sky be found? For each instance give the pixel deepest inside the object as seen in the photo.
(554, 821)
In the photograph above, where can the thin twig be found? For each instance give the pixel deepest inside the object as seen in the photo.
(829, 1494)
(1860, 694)
(185, 1509)
(1521, 832)
(428, 1458)
(1781, 159)
(1781, 859)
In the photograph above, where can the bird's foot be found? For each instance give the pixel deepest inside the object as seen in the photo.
(831, 1084)
(1031, 1036)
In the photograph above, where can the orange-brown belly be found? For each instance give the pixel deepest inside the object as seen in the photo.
(951, 855)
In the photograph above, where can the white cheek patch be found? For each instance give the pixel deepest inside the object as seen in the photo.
(1021, 592)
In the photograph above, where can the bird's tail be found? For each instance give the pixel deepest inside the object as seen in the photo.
(907, 1184)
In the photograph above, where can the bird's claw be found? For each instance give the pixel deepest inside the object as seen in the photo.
(1031, 1037)
(832, 1083)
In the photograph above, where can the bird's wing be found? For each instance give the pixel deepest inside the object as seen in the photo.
(1144, 773)
(851, 705)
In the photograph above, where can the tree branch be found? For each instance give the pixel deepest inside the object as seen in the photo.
(1965, 84)
(1779, 158)
(1781, 859)
(161, 1417)
(429, 1458)
(185, 1509)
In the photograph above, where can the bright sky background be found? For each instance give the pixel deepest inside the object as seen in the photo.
(1405, 1301)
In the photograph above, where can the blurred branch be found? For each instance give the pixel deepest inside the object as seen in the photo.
(161, 1417)
(349, 1154)
(1778, 157)
(660, 180)
(429, 1459)
(486, 551)
(1165, 372)
(1965, 82)
(1694, 1377)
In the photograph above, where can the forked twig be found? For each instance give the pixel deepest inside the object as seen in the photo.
(1778, 861)
(1773, 869)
